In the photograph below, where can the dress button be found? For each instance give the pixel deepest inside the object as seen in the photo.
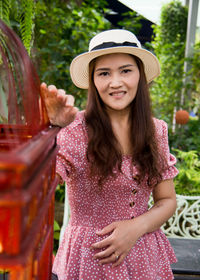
(136, 177)
(134, 191)
(132, 204)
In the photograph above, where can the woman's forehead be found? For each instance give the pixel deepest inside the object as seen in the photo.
(113, 58)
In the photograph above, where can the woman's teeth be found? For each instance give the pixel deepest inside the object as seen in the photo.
(117, 93)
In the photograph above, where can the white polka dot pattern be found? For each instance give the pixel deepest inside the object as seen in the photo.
(121, 198)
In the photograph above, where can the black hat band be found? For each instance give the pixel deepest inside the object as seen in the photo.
(113, 44)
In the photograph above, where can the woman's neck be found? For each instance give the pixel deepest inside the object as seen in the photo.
(120, 122)
(119, 118)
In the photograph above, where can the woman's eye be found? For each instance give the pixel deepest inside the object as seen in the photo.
(103, 74)
(126, 70)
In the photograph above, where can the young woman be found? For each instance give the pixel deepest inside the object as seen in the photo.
(112, 157)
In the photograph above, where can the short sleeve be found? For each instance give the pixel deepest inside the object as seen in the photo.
(64, 161)
(71, 142)
(169, 171)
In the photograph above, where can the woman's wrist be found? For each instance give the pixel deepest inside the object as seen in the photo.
(139, 226)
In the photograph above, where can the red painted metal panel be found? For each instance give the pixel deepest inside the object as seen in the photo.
(28, 152)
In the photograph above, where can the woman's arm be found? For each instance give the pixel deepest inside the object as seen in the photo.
(164, 197)
(124, 234)
(60, 107)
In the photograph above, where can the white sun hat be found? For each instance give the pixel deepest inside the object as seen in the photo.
(107, 42)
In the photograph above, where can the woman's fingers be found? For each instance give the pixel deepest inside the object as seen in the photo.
(44, 90)
(114, 258)
(52, 88)
(61, 95)
(104, 254)
(70, 100)
(110, 256)
(111, 259)
(119, 260)
(61, 92)
(48, 92)
(43, 85)
(106, 230)
(101, 244)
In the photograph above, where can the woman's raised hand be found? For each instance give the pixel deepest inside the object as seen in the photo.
(60, 107)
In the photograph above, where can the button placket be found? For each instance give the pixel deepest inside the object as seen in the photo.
(132, 203)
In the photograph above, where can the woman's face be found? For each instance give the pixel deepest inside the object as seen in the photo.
(116, 78)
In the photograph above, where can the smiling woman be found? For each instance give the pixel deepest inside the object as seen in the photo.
(112, 157)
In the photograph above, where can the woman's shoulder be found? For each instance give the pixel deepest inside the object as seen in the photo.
(160, 126)
(159, 122)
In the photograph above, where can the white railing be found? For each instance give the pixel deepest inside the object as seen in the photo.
(185, 223)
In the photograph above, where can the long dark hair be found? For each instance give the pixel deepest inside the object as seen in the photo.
(104, 151)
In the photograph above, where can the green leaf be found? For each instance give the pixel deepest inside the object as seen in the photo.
(56, 235)
(56, 226)
(188, 175)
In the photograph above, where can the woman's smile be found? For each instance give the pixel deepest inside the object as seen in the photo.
(117, 94)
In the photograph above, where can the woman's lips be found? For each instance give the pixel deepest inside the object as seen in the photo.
(117, 93)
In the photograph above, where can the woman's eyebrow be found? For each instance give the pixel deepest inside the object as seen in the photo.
(127, 65)
(102, 69)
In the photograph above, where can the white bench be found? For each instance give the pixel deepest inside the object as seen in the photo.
(183, 232)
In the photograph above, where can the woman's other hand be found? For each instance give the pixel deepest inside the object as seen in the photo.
(60, 107)
(115, 247)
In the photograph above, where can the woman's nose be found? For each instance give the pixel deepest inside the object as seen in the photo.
(115, 81)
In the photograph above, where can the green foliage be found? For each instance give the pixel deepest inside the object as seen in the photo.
(186, 144)
(19, 14)
(194, 80)
(131, 22)
(186, 137)
(169, 47)
(196, 65)
(172, 26)
(56, 226)
(188, 180)
(60, 193)
(5, 6)
(63, 31)
(26, 22)
(56, 236)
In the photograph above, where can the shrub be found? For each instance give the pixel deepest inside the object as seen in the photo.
(187, 181)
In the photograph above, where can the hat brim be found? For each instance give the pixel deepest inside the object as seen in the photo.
(79, 68)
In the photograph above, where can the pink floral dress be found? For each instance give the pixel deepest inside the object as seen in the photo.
(122, 198)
